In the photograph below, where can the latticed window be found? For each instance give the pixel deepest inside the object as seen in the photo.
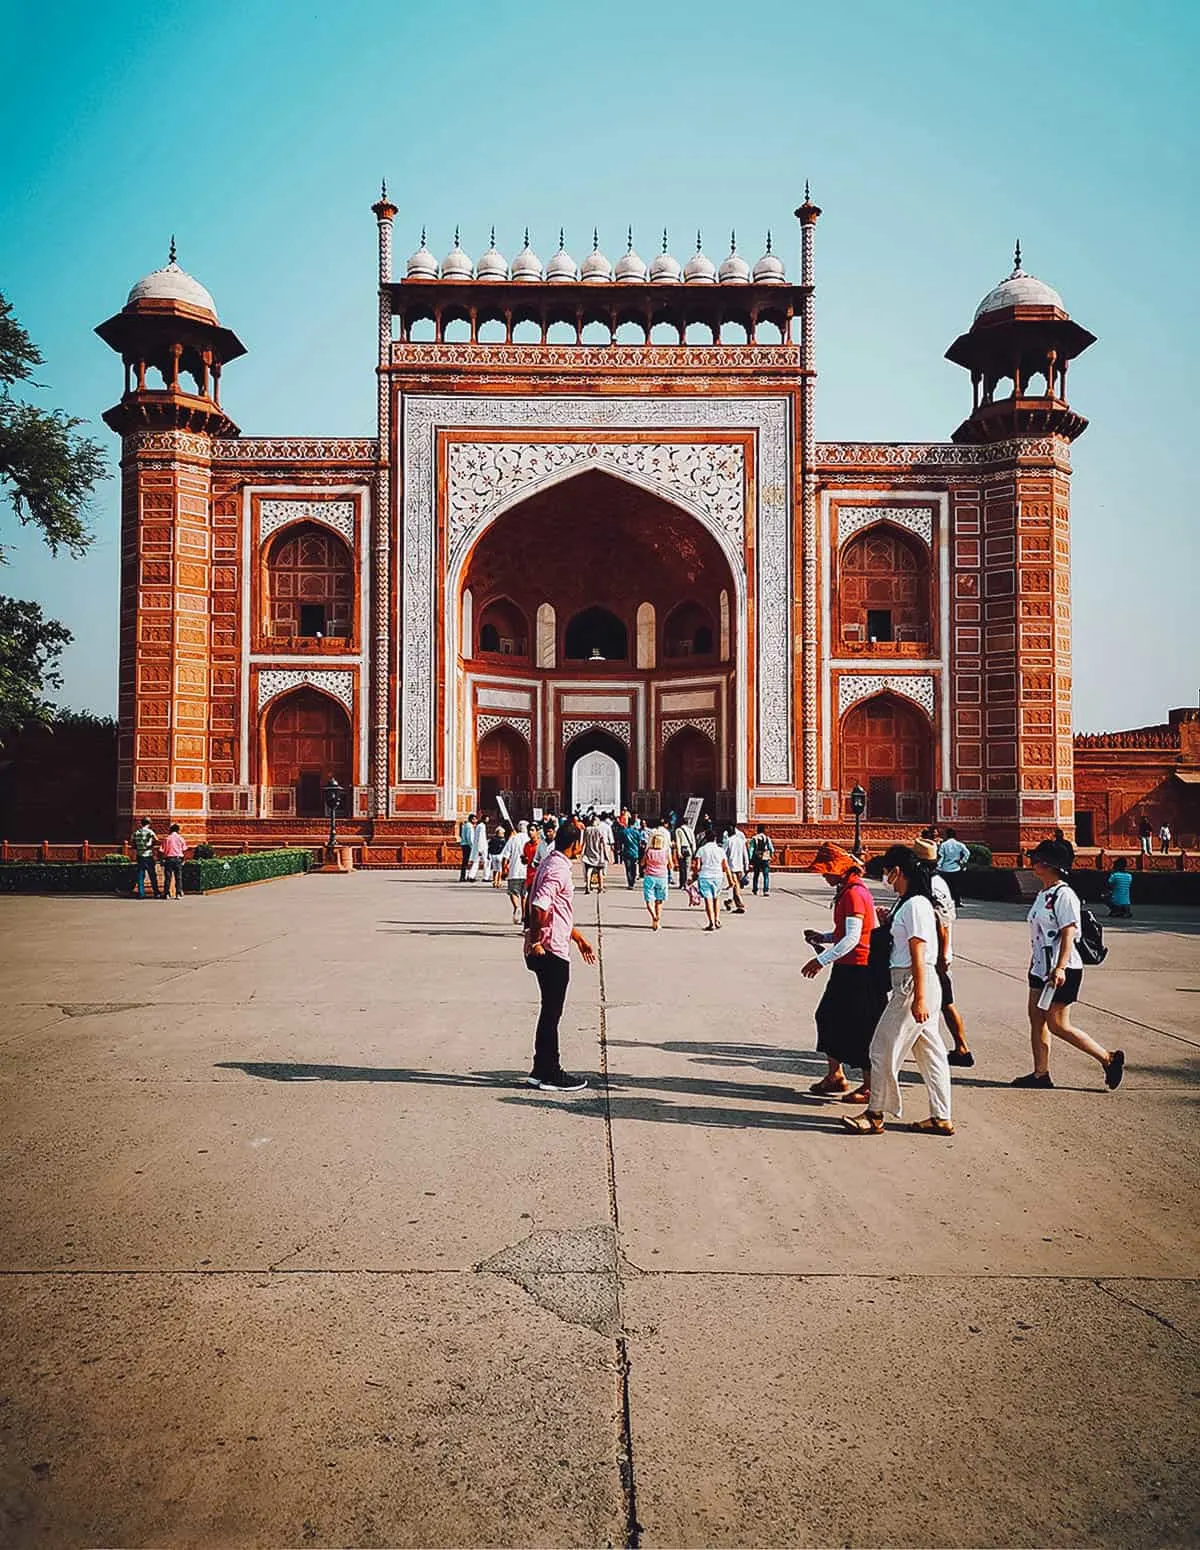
(883, 588)
(309, 584)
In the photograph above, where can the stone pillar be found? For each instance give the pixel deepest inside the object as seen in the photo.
(808, 214)
(381, 547)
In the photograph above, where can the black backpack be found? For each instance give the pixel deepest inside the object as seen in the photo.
(1090, 941)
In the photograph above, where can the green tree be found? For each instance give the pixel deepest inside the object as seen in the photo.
(48, 472)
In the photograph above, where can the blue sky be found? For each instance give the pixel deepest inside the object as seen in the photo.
(933, 133)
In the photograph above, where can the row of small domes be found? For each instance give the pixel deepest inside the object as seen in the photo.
(630, 268)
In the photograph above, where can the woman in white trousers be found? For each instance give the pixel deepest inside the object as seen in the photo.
(909, 1025)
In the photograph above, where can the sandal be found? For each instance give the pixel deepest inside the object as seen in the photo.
(933, 1127)
(829, 1086)
(859, 1095)
(867, 1124)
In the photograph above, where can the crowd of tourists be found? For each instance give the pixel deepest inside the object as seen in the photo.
(890, 984)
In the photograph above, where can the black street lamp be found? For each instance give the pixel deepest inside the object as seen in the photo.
(858, 805)
(334, 795)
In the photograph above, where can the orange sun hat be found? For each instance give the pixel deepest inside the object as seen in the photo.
(833, 860)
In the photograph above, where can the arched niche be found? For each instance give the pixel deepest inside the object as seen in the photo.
(596, 740)
(688, 632)
(883, 588)
(689, 769)
(502, 770)
(596, 634)
(306, 737)
(308, 584)
(886, 747)
(503, 631)
(646, 643)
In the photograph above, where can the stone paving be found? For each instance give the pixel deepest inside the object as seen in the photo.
(289, 1259)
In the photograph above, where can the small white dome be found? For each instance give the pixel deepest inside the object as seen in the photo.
(172, 284)
(734, 270)
(456, 265)
(422, 265)
(596, 269)
(631, 267)
(527, 265)
(492, 265)
(1019, 290)
(665, 270)
(562, 268)
(700, 269)
(769, 269)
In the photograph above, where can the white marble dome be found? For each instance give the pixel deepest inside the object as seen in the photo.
(527, 265)
(769, 270)
(665, 268)
(1019, 290)
(562, 268)
(631, 266)
(492, 265)
(422, 265)
(456, 265)
(172, 284)
(734, 269)
(700, 269)
(596, 269)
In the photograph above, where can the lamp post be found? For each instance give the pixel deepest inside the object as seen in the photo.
(858, 803)
(333, 795)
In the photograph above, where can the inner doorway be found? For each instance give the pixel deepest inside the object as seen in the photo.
(689, 770)
(504, 771)
(307, 738)
(612, 775)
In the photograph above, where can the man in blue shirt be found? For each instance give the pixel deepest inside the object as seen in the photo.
(466, 839)
(1120, 889)
(952, 857)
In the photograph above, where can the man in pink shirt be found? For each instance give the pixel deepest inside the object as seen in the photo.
(548, 941)
(172, 852)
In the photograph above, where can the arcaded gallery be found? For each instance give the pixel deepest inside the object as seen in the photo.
(594, 554)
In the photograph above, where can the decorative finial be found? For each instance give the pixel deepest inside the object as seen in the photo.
(768, 242)
(383, 189)
(492, 238)
(456, 236)
(1017, 256)
(629, 236)
(595, 239)
(422, 236)
(664, 239)
(171, 251)
(806, 193)
(697, 239)
(562, 239)
(527, 236)
(733, 241)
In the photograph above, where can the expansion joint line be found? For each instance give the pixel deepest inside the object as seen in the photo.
(633, 1528)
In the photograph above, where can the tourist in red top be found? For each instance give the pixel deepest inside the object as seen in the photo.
(853, 1002)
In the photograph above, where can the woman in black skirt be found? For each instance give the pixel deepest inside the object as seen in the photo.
(853, 999)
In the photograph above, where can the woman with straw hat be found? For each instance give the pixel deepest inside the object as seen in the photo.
(853, 999)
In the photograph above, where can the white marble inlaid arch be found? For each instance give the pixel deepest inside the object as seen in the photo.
(339, 683)
(274, 514)
(423, 417)
(915, 519)
(856, 687)
(570, 730)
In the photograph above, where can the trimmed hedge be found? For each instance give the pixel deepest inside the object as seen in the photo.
(206, 876)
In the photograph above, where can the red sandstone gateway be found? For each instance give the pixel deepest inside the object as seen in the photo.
(594, 541)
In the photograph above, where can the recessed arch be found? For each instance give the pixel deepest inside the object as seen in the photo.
(307, 585)
(597, 740)
(883, 587)
(886, 746)
(688, 632)
(689, 769)
(596, 634)
(503, 770)
(305, 737)
(502, 630)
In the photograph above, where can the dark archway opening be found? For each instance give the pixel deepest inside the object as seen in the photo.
(689, 770)
(596, 634)
(596, 740)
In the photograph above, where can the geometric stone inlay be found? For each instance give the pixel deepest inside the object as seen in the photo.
(339, 515)
(486, 724)
(572, 729)
(705, 724)
(917, 687)
(917, 519)
(276, 680)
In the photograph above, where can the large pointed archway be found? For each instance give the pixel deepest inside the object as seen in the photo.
(584, 788)
(612, 572)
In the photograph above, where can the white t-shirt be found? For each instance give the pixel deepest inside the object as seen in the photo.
(738, 851)
(943, 908)
(712, 862)
(512, 854)
(606, 830)
(913, 917)
(1053, 910)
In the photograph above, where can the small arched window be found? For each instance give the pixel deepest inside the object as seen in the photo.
(688, 632)
(597, 635)
(503, 630)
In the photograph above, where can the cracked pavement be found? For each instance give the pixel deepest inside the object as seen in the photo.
(288, 1258)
